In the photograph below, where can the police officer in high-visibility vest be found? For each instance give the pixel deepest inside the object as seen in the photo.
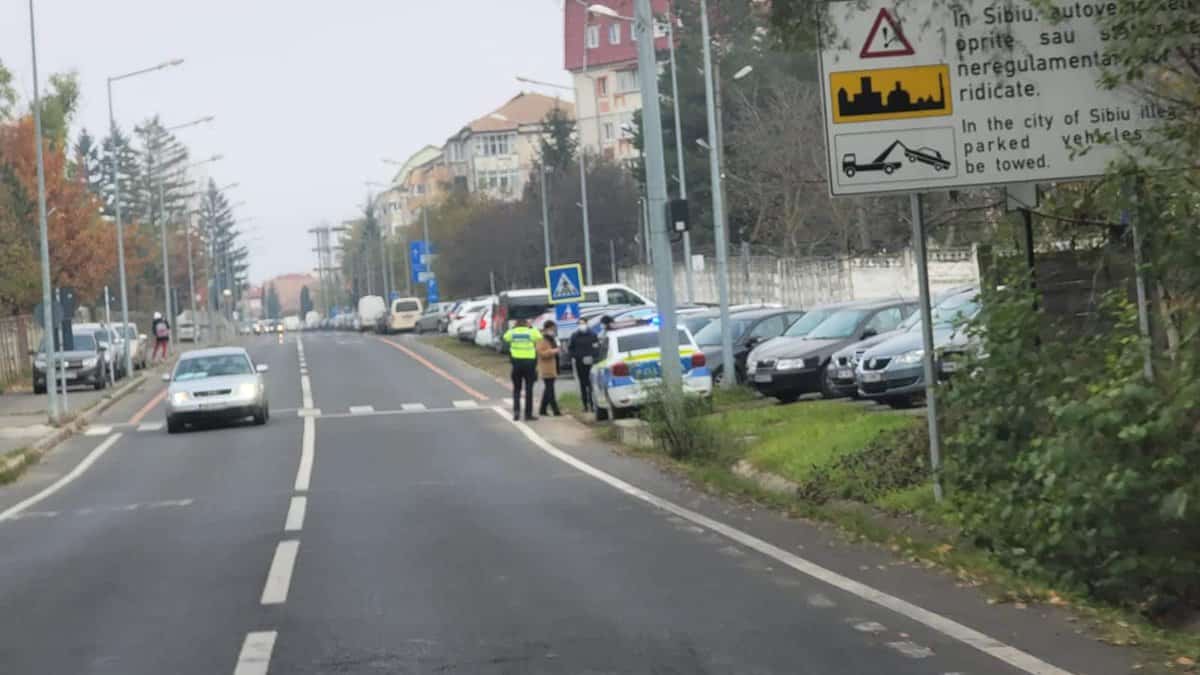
(522, 350)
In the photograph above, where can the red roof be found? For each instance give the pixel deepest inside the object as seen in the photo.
(605, 54)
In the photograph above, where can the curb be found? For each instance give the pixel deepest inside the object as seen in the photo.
(43, 445)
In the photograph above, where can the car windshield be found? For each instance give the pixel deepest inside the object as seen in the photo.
(711, 334)
(84, 342)
(200, 367)
(647, 340)
(406, 306)
(804, 325)
(696, 323)
(956, 310)
(841, 324)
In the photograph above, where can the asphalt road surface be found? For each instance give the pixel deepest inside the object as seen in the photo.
(391, 518)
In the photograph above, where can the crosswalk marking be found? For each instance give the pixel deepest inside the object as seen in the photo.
(412, 407)
(308, 412)
(507, 402)
(150, 426)
(98, 431)
(362, 409)
(466, 404)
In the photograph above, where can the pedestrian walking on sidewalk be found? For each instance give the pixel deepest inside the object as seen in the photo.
(547, 365)
(162, 336)
(583, 349)
(522, 343)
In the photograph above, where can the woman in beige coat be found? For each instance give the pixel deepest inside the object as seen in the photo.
(547, 365)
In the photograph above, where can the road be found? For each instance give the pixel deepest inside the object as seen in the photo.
(390, 519)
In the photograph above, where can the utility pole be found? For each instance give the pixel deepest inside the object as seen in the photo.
(687, 236)
(656, 201)
(718, 195)
(545, 214)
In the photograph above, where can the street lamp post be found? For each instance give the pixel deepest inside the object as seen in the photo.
(112, 122)
(718, 198)
(687, 236)
(656, 196)
(47, 299)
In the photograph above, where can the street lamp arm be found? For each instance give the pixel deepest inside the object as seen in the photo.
(143, 71)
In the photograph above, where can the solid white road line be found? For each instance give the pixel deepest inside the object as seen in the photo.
(150, 426)
(295, 514)
(255, 657)
(465, 404)
(58, 484)
(307, 444)
(944, 625)
(410, 407)
(98, 431)
(362, 409)
(279, 578)
(306, 391)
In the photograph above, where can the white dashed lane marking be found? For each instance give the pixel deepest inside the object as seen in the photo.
(911, 649)
(412, 407)
(255, 657)
(279, 578)
(150, 426)
(362, 409)
(466, 404)
(295, 514)
(98, 431)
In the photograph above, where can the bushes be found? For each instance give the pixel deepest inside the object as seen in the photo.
(680, 428)
(1061, 456)
(894, 460)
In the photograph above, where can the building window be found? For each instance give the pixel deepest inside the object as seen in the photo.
(491, 145)
(593, 37)
(502, 181)
(607, 128)
(614, 34)
(627, 80)
(602, 86)
(632, 32)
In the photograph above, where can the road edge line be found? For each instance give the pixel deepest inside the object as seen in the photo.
(946, 626)
(435, 368)
(57, 485)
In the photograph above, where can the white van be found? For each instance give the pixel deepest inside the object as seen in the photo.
(371, 309)
(613, 294)
(404, 315)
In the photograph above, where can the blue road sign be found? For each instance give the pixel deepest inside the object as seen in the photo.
(417, 250)
(431, 292)
(565, 283)
(566, 312)
(394, 296)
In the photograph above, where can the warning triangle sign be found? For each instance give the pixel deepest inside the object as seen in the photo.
(885, 38)
(565, 289)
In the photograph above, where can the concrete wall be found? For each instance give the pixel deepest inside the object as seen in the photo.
(804, 283)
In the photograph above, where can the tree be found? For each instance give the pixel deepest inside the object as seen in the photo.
(272, 306)
(306, 303)
(558, 144)
(8, 93)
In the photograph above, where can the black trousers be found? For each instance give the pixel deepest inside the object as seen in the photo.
(548, 397)
(524, 374)
(583, 375)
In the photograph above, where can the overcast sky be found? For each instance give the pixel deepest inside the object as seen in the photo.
(309, 95)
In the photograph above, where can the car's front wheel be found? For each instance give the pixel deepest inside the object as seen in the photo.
(263, 414)
(174, 426)
(39, 387)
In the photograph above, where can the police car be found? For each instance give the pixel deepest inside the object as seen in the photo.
(630, 366)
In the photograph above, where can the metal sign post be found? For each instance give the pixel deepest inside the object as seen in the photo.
(931, 410)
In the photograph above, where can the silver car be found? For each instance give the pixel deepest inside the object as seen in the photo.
(216, 384)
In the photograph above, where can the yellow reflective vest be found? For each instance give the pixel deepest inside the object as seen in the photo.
(522, 342)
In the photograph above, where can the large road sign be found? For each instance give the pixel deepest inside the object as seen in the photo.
(935, 96)
(564, 283)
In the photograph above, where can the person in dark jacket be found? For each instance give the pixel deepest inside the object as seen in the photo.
(583, 349)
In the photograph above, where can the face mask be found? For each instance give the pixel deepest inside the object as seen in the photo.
(583, 325)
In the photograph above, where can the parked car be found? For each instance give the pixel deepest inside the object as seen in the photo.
(216, 384)
(371, 309)
(893, 371)
(485, 335)
(532, 304)
(748, 328)
(468, 325)
(431, 319)
(113, 344)
(403, 315)
(138, 342)
(85, 363)
(630, 366)
(789, 368)
(613, 294)
(460, 315)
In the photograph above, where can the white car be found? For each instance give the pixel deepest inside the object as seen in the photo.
(463, 316)
(216, 384)
(630, 365)
(484, 330)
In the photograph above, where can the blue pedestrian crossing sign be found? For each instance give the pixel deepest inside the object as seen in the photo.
(566, 312)
(564, 283)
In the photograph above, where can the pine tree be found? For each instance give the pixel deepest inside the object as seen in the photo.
(558, 144)
(306, 303)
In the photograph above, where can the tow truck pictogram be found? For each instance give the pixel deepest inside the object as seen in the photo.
(924, 155)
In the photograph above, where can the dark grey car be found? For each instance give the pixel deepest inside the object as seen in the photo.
(789, 368)
(85, 363)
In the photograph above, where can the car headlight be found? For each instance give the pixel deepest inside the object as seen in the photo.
(90, 362)
(179, 397)
(910, 358)
(789, 364)
(247, 390)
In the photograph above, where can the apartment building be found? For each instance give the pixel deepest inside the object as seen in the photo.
(600, 52)
(420, 181)
(494, 154)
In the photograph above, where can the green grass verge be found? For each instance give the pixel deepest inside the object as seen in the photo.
(8, 475)
(487, 360)
(792, 440)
